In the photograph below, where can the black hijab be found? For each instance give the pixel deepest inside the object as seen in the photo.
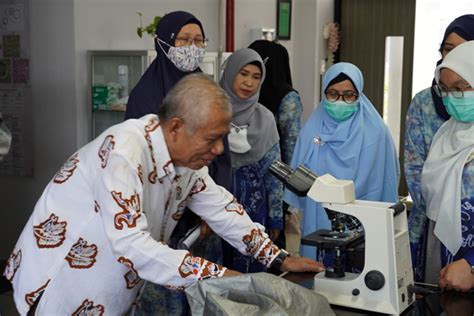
(162, 74)
(278, 81)
(464, 27)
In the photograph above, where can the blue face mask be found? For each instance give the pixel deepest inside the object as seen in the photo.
(340, 110)
(461, 109)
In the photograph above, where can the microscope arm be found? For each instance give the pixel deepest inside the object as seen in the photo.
(300, 181)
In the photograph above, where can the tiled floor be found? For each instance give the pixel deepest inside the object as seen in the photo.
(7, 307)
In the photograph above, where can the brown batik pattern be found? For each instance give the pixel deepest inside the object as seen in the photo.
(88, 308)
(267, 252)
(130, 210)
(140, 172)
(211, 270)
(82, 255)
(31, 297)
(235, 207)
(67, 170)
(199, 267)
(181, 207)
(198, 186)
(50, 233)
(13, 263)
(131, 277)
(96, 206)
(105, 150)
(151, 127)
(253, 241)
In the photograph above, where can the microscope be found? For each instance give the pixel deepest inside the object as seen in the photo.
(380, 229)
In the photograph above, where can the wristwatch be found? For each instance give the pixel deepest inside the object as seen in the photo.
(278, 261)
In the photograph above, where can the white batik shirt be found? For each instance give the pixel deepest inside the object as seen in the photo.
(101, 226)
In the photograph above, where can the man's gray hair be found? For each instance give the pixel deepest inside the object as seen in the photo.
(191, 100)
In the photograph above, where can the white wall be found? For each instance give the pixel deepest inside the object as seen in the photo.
(112, 24)
(53, 106)
(306, 47)
(61, 32)
(432, 18)
(309, 48)
(252, 14)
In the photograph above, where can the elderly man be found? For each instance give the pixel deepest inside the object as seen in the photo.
(102, 223)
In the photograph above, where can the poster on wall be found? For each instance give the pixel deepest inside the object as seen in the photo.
(15, 88)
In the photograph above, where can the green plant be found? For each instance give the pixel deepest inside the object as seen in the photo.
(150, 28)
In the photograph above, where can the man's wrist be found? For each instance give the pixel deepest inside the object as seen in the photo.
(278, 261)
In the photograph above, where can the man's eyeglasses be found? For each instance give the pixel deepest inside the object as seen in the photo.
(347, 96)
(188, 41)
(443, 92)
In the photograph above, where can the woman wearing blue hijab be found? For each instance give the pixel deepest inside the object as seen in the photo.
(345, 137)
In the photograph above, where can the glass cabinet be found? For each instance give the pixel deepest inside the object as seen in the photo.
(115, 73)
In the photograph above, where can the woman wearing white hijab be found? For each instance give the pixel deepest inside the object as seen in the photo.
(448, 176)
(254, 145)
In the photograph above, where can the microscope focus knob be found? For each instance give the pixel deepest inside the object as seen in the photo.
(374, 280)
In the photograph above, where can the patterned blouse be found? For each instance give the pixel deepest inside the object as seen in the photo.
(260, 192)
(422, 123)
(261, 196)
(288, 121)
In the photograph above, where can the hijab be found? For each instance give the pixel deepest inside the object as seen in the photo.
(358, 149)
(450, 150)
(464, 27)
(162, 74)
(278, 81)
(262, 132)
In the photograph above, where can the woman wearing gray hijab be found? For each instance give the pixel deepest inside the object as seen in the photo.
(254, 145)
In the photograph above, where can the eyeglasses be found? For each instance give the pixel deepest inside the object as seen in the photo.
(188, 41)
(443, 92)
(347, 96)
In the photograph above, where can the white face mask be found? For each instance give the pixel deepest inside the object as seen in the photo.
(185, 58)
(5, 139)
(237, 137)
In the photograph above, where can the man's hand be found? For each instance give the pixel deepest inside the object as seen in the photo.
(229, 273)
(301, 264)
(273, 233)
(457, 276)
